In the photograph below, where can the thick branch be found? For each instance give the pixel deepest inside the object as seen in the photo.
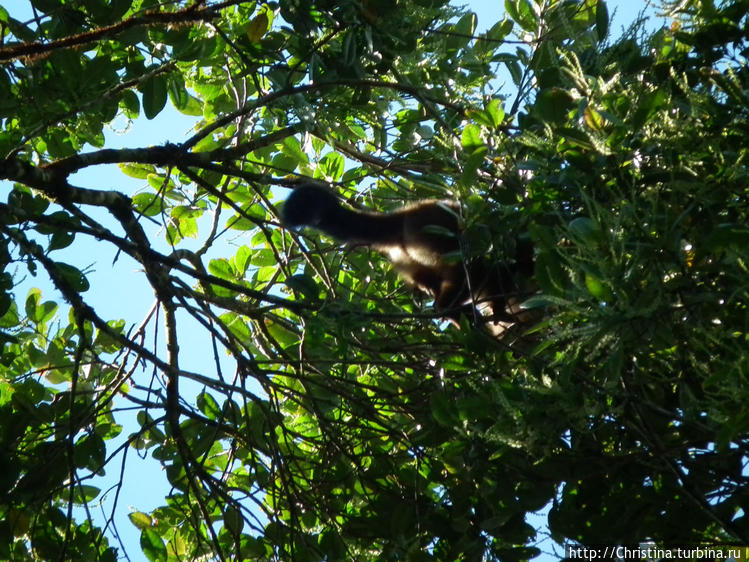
(192, 14)
(166, 155)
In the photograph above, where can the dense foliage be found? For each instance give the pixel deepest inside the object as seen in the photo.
(333, 416)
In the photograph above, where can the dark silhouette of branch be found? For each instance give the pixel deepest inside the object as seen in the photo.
(192, 14)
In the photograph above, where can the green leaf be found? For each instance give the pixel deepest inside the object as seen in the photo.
(553, 104)
(596, 288)
(192, 106)
(332, 165)
(576, 138)
(443, 409)
(211, 142)
(283, 163)
(59, 217)
(648, 106)
(233, 520)
(73, 276)
(252, 548)
(148, 204)
(550, 275)
(237, 326)
(466, 24)
(90, 452)
(60, 240)
(350, 53)
(130, 104)
(522, 12)
(496, 112)
(177, 92)
(242, 260)
(291, 147)
(471, 137)
(500, 30)
(5, 305)
(258, 27)
(10, 318)
(462, 31)
(152, 545)
(85, 493)
(140, 520)
(285, 337)
(263, 257)
(137, 171)
(109, 342)
(154, 92)
(585, 231)
(316, 68)
(514, 68)
(511, 7)
(304, 284)
(33, 298)
(724, 236)
(602, 20)
(223, 268)
(43, 313)
(183, 223)
(60, 143)
(208, 406)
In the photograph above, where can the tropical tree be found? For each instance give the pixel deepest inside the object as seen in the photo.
(332, 414)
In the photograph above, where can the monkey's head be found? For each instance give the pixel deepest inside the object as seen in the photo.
(309, 205)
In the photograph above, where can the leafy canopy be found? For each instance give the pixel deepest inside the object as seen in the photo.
(331, 414)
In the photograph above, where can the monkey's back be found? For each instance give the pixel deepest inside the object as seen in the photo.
(431, 229)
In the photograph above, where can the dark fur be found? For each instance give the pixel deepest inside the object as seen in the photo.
(416, 239)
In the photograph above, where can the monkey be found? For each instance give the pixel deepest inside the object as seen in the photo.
(423, 242)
